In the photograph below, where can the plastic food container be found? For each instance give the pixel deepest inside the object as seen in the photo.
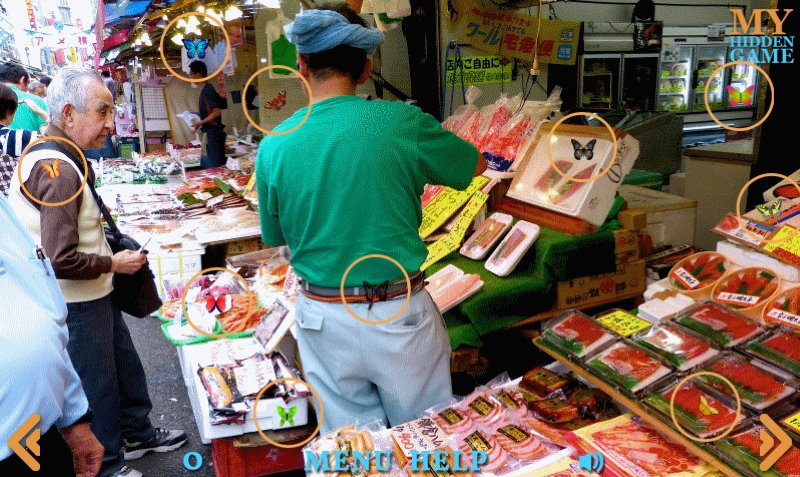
(719, 324)
(759, 385)
(780, 347)
(512, 248)
(486, 236)
(680, 348)
(575, 334)
(697, 274)
(698, 410)
(743, 452)
(629, 367)
(784, 309)
(747, 290)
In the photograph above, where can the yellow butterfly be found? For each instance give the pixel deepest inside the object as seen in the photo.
(706, 408)
(53, 171)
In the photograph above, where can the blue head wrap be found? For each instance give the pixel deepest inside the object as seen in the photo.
(313, 31)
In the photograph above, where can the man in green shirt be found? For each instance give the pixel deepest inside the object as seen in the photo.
(346, 184)
(27, 117)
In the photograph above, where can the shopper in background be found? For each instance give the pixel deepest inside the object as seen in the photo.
(211, 106)
(110, 84)
(37, 373)
(15, 77)
(72, 236)
(46, 80)
(38, 88)
(346, 184)
(12, 141)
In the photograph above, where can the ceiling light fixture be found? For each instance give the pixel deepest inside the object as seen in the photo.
(233, 13)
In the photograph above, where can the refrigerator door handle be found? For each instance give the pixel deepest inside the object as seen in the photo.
(695, 80)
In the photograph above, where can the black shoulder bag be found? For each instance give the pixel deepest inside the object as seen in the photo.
(134, 294)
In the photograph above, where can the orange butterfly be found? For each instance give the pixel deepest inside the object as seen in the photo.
(53, 171)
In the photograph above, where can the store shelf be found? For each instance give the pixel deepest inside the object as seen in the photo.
(671, 93)
(635, 407)
(675, 77)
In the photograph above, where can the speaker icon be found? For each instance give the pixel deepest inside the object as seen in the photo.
(592, 462)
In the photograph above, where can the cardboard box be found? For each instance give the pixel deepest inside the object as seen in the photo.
(244, 246)
(670, 218)
(629, 280)
(626, 246)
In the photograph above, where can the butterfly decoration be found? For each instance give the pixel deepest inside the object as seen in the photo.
(278, 102)
(196, 47)
(741, 98)
(221, 303)
(53, 171)
(705, 407)
(582, 151)
(286, 416)
(770, 212)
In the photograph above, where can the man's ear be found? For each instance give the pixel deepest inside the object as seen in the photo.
(302, 66)
(67, 113)
(365, 74)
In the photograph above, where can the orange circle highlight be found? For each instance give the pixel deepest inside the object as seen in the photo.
(708, 85)
(186, 292)
(710, 439)
(549, 147)
(405, 302)
(227, 46)
(320, 418)
(306, 85)
(70, 198)
(739, 209)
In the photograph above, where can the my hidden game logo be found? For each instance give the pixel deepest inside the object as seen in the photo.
(750, 42)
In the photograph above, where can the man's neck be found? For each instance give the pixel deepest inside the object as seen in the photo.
(331, 88)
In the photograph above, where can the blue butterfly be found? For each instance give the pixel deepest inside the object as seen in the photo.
(196, 47)
(586, 151)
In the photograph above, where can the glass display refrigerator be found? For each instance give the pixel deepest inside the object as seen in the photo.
(618, 80)
(688, 58)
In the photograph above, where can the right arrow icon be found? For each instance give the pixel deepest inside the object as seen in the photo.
(767, 441)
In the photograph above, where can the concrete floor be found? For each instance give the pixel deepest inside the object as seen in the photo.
(171, 408)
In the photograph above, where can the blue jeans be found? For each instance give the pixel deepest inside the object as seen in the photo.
(392, 372)
(112, 375)
(215, 149)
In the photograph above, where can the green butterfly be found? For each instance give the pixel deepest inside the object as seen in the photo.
(768, 212)
(286, 416)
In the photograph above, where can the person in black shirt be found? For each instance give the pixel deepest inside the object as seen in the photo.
(211, 106)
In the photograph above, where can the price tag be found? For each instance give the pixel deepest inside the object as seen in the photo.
(445, 204)
(738, 299)
(452, 241)
(623, 323)
(687, 279)
(784, 317)
(793, 422)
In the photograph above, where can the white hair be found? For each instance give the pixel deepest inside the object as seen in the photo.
(67, 88)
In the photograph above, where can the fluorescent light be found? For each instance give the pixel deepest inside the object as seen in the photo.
(232, 13)
(270, 3)
(178, 39)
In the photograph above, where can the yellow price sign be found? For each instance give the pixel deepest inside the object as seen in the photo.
(623, 323)
(445, 204)
(787, 239)
(792, 422)
(452, 241)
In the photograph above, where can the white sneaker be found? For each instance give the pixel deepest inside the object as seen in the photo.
(127, 472)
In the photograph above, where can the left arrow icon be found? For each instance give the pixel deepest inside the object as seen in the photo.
(32, 442)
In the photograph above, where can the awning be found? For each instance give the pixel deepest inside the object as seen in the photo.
(116, 39)
(135, 8)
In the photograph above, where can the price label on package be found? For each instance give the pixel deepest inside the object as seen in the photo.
(793, 422)
(623, 323)
(785, 245)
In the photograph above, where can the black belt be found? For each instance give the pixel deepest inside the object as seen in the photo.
(379, 292)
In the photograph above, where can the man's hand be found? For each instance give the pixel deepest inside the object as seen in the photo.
(127, 262)
(87, 452)
(196, 125)
(35, 108)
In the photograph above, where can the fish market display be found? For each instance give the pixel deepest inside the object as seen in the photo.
(679, 348)
(722, 326)
(746, 288)
(454, 421)
(784, 308)
(486, 236)
(696, 410)
(512, 248)
(630, 367)
(698, 271)
(781, 347)
(543, 380)
(450, 286)
(575, 333)
(744, 452)
(758, 387)
(637, 449)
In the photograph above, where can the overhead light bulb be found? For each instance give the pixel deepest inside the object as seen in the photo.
(181, 23)
(192, 22)
(178, 39)
(201, 9)
(165, 17)
(232, 13)
(213, 13)
(270, 3)
(145, 37)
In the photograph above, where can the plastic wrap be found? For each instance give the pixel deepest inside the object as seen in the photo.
(759, 385)
(746, 290)
(784, 309)
(719, 324)
(575, 333)
(780, 347)
(696, 274)
(681, 349)
(743, 450)
(699, 411)
(631, 368)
